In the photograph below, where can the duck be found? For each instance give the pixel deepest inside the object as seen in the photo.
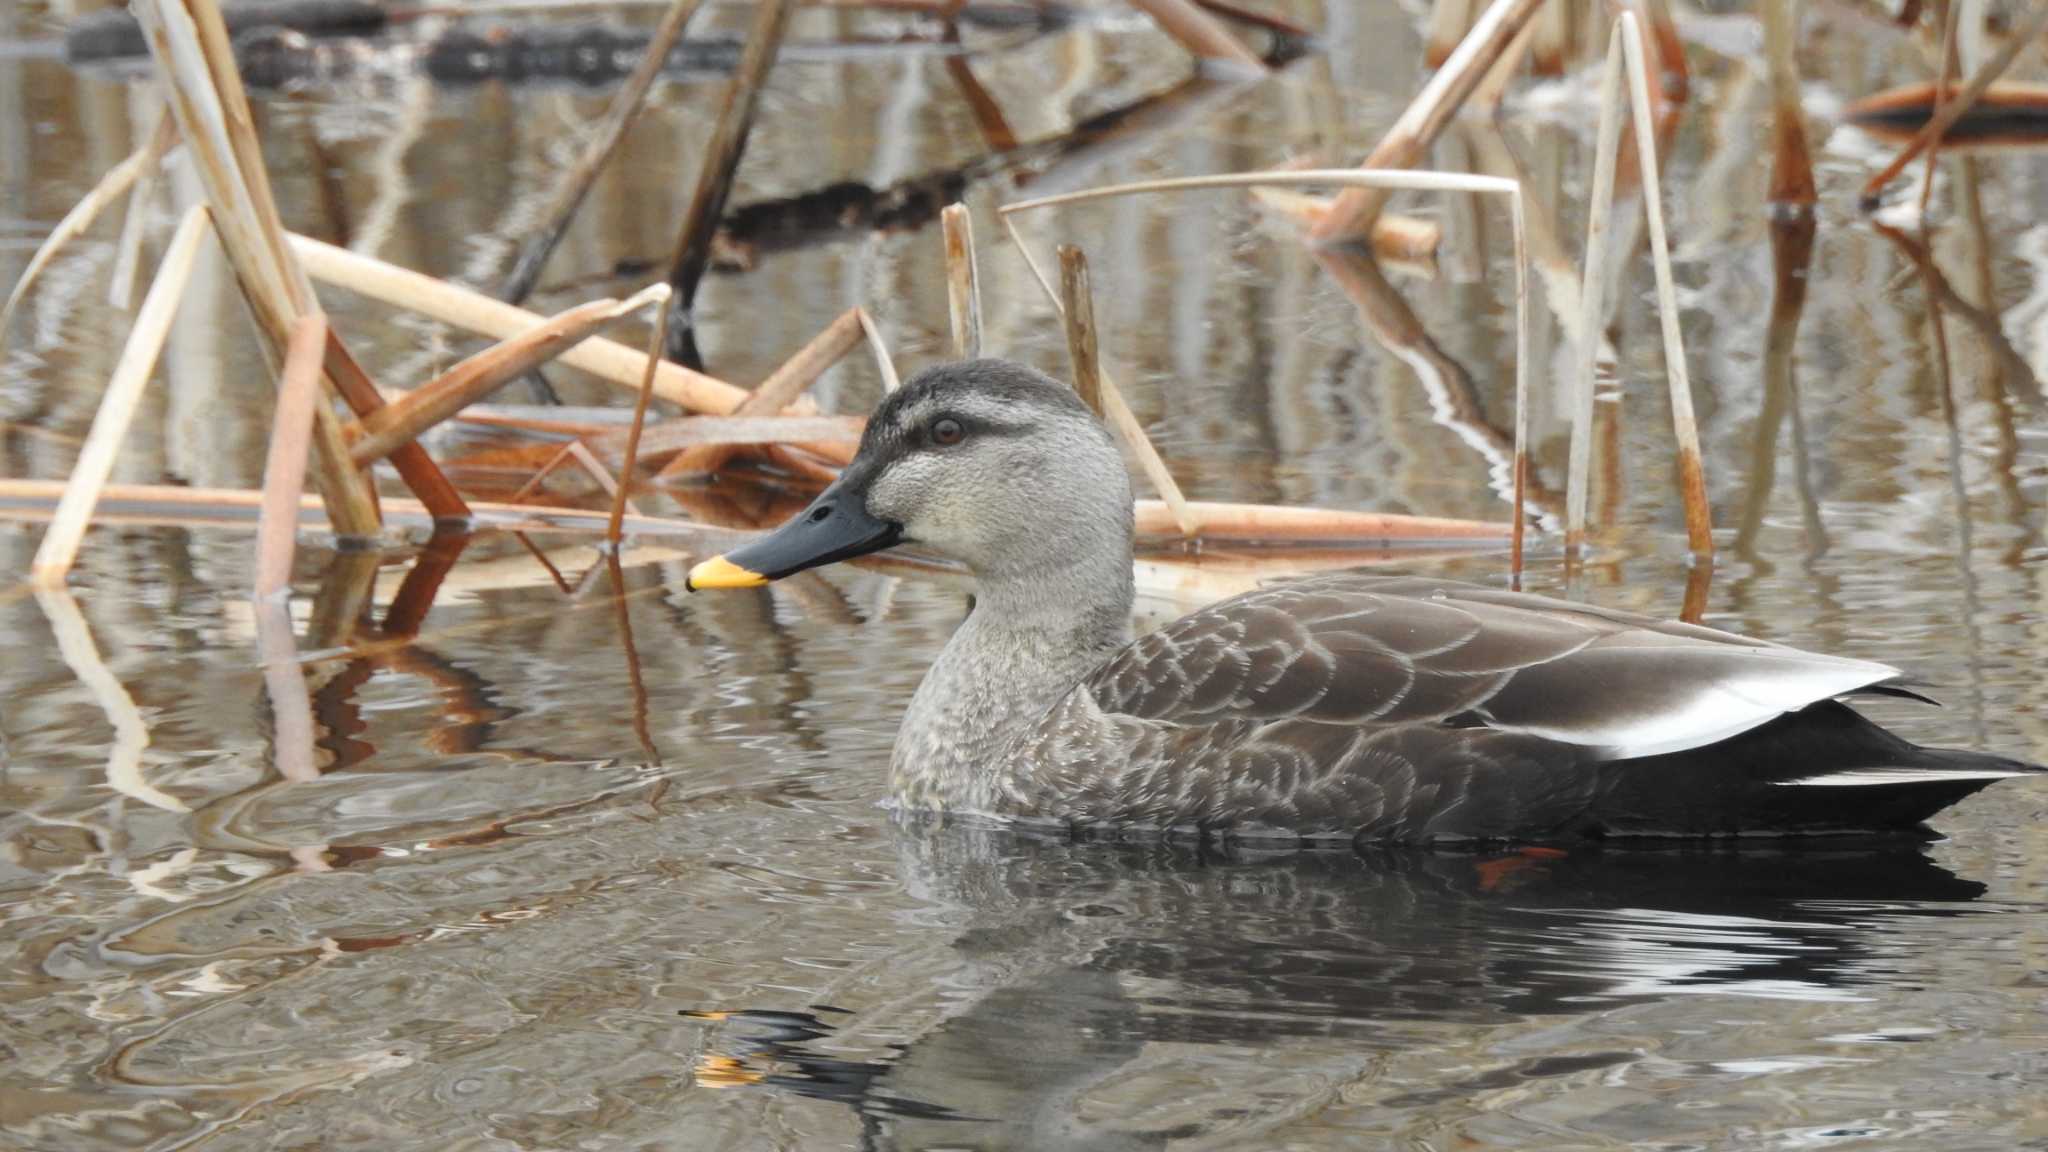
(1346, 706)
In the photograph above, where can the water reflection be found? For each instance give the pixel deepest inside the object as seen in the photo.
(1107, 950)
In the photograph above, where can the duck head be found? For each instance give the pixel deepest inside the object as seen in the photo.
(987, 462)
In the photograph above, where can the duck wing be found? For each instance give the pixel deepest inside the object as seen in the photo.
(1361, 650)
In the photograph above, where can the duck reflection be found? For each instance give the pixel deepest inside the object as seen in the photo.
(1105, 948)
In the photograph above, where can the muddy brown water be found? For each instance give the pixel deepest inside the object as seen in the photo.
(504, 904)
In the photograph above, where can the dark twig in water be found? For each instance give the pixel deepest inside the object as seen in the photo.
(575, 183)
(721, 161)
(2021, 38)
(656, 341)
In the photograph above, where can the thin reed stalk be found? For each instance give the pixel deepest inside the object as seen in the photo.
(1203, 35)
(1351, 216)
(1944, 63)
(657, 340)
(1692, 476)
(284, 470)
(2025, 34)
(1626, 59)
(884, 363)
(1274, 524)
(618, 120)
(1592, 292)
(118, 180)
(478, 376)
(963, 281)
(1352, 179)
(779, 391)
(721, 160)
(59, 547)
(1077, 308)
(729, 432)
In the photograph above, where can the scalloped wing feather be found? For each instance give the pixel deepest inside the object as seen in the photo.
(1353, 649)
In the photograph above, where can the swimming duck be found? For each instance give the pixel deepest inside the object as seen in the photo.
(1352, 705)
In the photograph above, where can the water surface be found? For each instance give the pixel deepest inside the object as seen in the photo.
(524, 891)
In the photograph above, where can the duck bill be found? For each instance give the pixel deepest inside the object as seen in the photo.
(835, 527)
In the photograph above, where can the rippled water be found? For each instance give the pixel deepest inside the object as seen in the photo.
(528, 892)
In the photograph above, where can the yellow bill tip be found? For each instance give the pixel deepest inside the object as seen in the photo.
(718, 572)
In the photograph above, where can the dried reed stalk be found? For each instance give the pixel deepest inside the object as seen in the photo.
(657, 340)
(195, 60)
(618, 120)
(1352, 216)
(721, 160)
(128, 253)
(1117, 413)
(1200, 33)
(777, 392)
(1791, 160)
(478, 376)
(284, 470)
(727, 432)
(117, 181)
(1272, 523)
(1347, 178)
(963, 281)
(414, 466)
(59, 547)
(2025, 34)
(884, 363)
(1625, 58)
(35, 501)
(1077, 307)
(466, 308)
(1945, 62)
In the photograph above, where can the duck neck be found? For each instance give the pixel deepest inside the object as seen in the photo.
(1036, 629)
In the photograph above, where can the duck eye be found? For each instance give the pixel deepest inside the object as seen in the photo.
(947, 431)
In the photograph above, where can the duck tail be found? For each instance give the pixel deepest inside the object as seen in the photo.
(1923, 766)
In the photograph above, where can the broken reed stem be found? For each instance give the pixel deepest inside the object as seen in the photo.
(618, 120)
(963, 281)
(656, 341)
(197, 66)
(884, 364)
(1077, 307)
(1593, 284)
(59, 547)
(1117, 414)
(128, 256)
(2017, 41)
(1350, 178)
(415, 467)
(284, 470)
(721, 160)
(779, 391)
(1352, 216)
(399, 423)
(470, 309)
(117, 180)
(1692, 477)
(1200, 33)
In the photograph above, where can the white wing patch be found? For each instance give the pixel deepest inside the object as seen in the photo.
(1870, 777)
(1697, 712)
